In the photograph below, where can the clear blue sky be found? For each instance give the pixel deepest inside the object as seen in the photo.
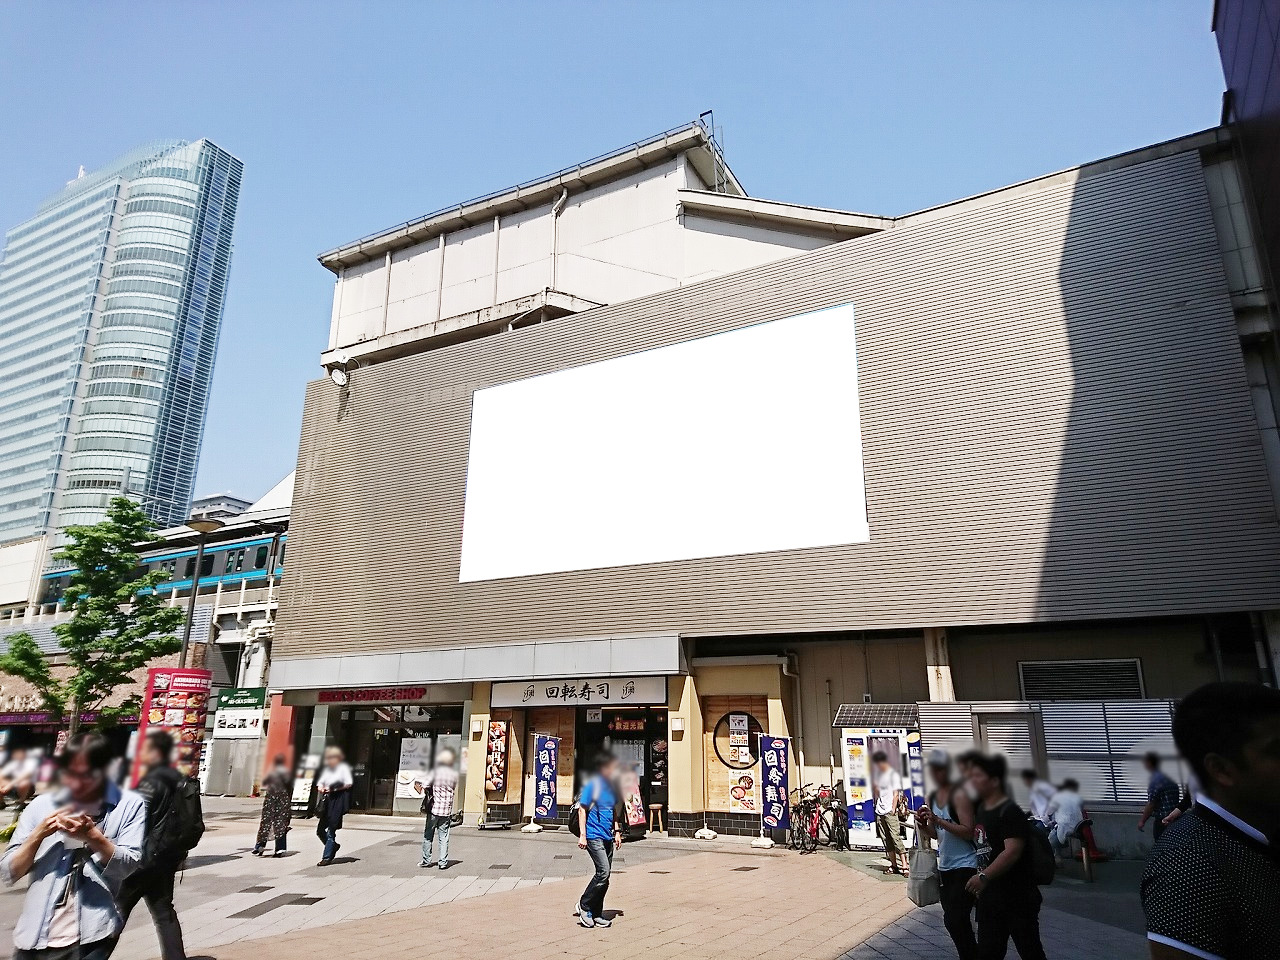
(352, 117)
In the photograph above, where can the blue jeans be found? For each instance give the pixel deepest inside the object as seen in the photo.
(601, 854)
(330, 838)
(100, 950)
(436, 827)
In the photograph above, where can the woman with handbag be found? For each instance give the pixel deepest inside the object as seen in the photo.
(948, 817)
(438, 792)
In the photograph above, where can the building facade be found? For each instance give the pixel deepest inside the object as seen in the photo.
(1019, 447)
(111, 299)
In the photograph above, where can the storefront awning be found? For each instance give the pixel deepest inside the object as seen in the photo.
(643, 655)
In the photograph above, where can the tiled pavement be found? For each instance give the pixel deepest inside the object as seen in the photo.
(920, 936)
(503, 897)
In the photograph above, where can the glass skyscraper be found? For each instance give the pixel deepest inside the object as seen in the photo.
(111, 299)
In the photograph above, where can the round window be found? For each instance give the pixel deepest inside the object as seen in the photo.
(737, 740)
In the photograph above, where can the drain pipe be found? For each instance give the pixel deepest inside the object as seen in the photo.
(831, 760)
(556, 209)
(787, 671)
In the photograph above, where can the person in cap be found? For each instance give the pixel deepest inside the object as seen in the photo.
(948, 818)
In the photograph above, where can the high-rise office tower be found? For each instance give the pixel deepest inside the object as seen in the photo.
(111, 298)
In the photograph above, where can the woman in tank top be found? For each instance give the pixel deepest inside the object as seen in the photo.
(949, 818)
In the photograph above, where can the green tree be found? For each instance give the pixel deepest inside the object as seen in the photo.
(115, 628)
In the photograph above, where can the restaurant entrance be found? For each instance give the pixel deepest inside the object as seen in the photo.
(638, 737)
(373, 743)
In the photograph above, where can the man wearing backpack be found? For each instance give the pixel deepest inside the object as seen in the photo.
(1005, 884)
(174, 826)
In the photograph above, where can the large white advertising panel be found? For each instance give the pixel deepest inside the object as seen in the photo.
(742, 442)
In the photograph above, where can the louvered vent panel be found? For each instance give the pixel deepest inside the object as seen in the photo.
(1136, 728)
(1074, 728)
(1081, 679)
(948, 726)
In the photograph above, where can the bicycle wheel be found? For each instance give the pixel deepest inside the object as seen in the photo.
(812, 819)
(795, 835)
(828, 829)
(840, 828)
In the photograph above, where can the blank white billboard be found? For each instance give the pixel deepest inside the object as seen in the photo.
(742, 442)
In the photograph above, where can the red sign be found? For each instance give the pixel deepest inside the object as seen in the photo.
(372, 695)
(176, 702)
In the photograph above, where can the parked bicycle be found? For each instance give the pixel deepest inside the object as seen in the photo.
(818, 816)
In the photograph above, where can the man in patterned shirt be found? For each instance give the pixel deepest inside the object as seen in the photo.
(440, 785)
(1211, 886)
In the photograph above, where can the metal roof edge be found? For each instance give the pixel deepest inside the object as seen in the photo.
(609, 166)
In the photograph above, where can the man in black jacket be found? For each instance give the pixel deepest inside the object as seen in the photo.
(153, 881)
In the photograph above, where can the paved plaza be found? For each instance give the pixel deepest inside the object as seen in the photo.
(510, 895)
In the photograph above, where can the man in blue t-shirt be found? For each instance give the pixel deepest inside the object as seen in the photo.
(1162, 796)
(598, 834)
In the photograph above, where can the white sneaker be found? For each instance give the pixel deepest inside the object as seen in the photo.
(585, 919)
(602, 922)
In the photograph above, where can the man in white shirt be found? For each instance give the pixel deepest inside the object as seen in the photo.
(1065, 811)
(1042, 792)
(888, 786)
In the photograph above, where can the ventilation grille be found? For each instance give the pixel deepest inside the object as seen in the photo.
(1047, 680)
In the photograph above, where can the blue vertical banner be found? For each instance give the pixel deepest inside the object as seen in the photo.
(915, 766)
(775, 811)
(546, 760)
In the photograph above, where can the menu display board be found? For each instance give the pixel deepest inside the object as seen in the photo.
(176, 701)
(495, 764)
(415, 765)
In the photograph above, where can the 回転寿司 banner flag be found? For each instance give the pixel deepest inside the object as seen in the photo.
(546, 756)
(775, 813)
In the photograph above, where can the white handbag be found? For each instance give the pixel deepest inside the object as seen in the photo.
(923, 887)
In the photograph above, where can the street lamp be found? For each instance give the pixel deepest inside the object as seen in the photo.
(203, 526)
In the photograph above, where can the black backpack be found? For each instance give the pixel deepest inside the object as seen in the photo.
(1040, 850)
(176, 830)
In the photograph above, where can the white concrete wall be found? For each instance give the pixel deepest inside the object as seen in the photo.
(615, 242)
(20, 565)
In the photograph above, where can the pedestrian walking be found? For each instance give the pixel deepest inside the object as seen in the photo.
(1008, 900)
(948, 817)
(75, 845)
(1066, 811)
(888, 790)
(277, 808)
(438, 792)
(18, 777)
(1162, 796)
(334, 787)
(1041, 792)
(599, 833)
(175, 824)
(1212, 884)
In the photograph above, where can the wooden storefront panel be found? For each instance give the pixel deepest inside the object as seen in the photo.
(720, 778)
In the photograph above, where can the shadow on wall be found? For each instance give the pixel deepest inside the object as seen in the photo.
(1162, 504)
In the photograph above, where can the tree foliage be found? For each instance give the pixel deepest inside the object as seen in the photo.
(119, 624)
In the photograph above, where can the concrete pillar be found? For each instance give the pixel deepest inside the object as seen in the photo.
(937, 661)
(685, 763)
(280, 733)
(322, 726)
(473, 746)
